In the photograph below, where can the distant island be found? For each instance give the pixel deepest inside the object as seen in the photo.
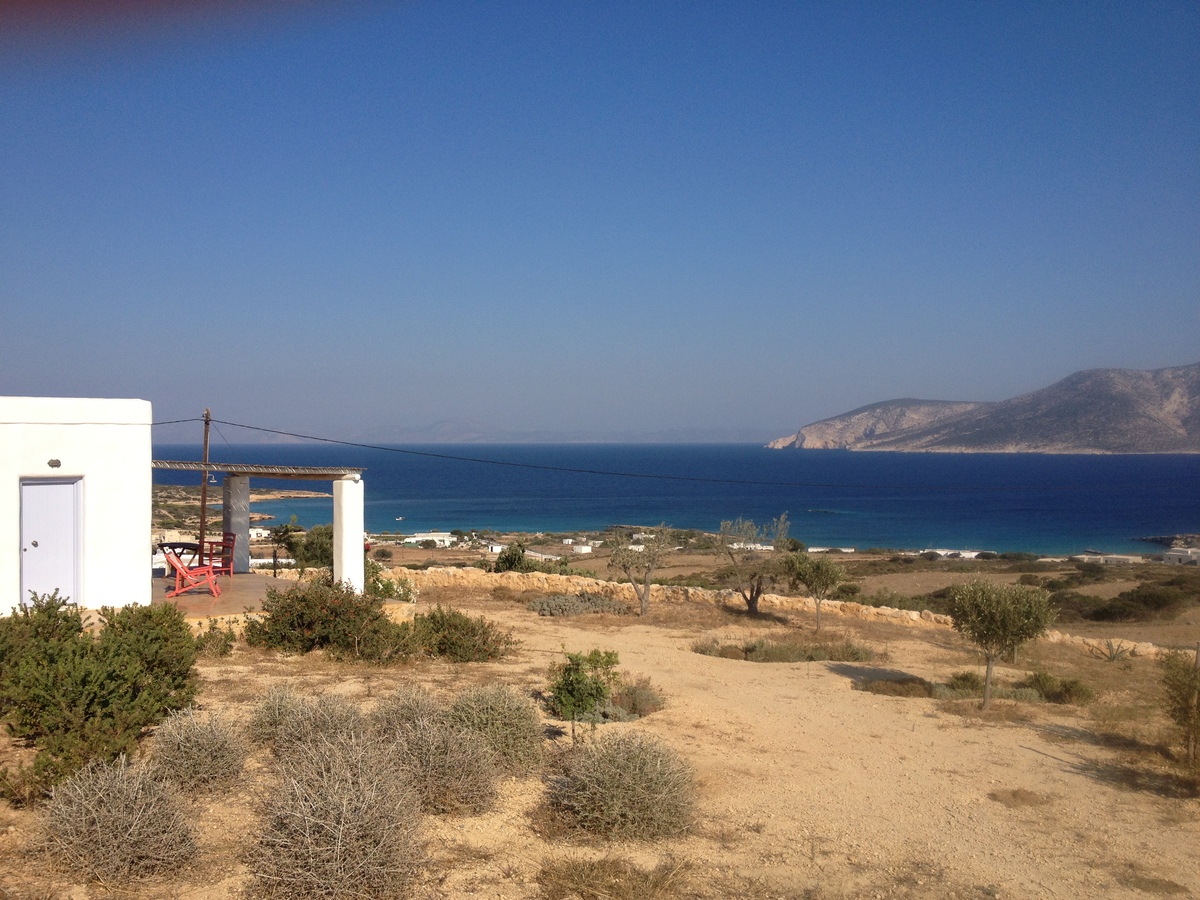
(1095, 411)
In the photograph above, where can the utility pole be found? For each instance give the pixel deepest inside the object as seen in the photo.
(204, 489)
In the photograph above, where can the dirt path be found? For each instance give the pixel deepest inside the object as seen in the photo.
(808, 784)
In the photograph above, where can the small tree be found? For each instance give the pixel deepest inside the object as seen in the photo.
(999, 619)
(1181, 685)
(512, 559)
(742, 543)
(819, 574)
(639, 564)
(285, 537)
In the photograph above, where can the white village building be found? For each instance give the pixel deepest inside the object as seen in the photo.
(75, 502)
(75, 485)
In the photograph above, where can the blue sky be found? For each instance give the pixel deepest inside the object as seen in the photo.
(631, 220)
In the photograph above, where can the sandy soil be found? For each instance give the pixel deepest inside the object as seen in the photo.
(807, 786)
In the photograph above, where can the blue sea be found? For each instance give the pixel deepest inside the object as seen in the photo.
(1045, 504)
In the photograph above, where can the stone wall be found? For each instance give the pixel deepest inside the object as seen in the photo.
(518, 582)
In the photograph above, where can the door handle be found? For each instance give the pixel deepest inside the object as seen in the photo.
(33, 543)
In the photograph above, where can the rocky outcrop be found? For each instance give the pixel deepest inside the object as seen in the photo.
(1096, 411)
(868, 424)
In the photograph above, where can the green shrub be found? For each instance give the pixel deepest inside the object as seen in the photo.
(218, 641)
(316, 551)
(399, 589)
(334, 617)
(626, 785)
(193, 752)
(1054, 690)
(344, 822)
(508, 723)
(970, 683)
(452, 770)
(78, 697)
(453, 635)
(577, 604)
(582, 684)
(112, 821)
(1181, 696)
(512, 559)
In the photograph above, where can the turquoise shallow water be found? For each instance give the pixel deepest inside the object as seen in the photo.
(1047, 504)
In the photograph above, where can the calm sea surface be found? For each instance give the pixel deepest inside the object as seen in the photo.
(1048, 504)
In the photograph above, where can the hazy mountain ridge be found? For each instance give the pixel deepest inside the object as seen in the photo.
(1094, 411)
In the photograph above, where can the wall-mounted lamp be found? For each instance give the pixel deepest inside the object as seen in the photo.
(54, 463)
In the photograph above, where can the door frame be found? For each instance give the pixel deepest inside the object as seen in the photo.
(76, 482)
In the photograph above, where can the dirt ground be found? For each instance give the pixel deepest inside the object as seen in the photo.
(807, 787)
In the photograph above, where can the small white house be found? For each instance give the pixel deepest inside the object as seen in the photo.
(440, 538)
(581, 548)
(75, 500)
(258, 533)
(1182, 556)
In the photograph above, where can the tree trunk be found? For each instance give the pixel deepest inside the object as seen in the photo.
(987, 682)
(1191, 732)
(644, 596)
(751, 599)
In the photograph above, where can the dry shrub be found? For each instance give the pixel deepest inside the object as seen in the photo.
(577, 605)
(609, 878)
(626, 785)
(296, 721)
(896, 687)
(636, 696)
(404, 706)
(114, 820)
(508, 723)
(194, 752)
(269, 714)
(344, 822)
(451, 769)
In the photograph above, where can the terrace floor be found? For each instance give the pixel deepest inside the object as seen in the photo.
(238, 593)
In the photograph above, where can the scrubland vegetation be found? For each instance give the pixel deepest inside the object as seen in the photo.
(126, 738)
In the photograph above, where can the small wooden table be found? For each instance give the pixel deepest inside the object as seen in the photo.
(187, 551)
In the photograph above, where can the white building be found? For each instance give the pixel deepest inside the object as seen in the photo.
(581, 548)
(1181, 556)
(75, 500)
(440, 538)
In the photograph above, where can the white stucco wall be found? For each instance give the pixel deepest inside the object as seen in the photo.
(348, 531)
(106, 444)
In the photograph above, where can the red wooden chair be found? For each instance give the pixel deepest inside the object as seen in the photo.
(189, 579)
(219, 554)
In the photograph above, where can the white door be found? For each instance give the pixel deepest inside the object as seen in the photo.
(50, 538)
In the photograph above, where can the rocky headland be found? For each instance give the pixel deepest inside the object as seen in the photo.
(1095, 411)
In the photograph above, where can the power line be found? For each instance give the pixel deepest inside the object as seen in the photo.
(695, 479)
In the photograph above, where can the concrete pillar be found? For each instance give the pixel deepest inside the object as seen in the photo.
(349, 528)
(235, 518)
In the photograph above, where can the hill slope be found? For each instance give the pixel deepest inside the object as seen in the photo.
(1096, 411)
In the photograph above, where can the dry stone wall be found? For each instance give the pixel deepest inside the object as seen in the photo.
(519, 582)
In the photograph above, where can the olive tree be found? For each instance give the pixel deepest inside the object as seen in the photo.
(819, 574)
(747, 546)
(639, 561)
(999, 619)
(1181, 685)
